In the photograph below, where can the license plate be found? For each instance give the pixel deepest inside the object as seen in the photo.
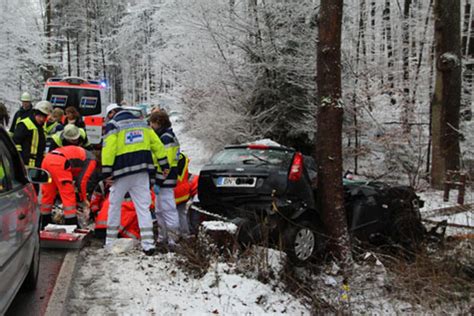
(245, 182)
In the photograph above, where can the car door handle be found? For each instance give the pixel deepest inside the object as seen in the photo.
(21, 216)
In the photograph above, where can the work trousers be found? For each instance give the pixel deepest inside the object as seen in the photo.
(183, 219)
(62, 181)
(138, 186)
(167, 216)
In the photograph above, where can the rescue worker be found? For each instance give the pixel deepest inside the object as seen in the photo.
(71, 135)
(182, 194)
(4, 117)
(69, 167)
(54, 122)
(29, 135)
(24, 111)
(127, 163)
(166, 212)
(112, 109)
(74, 117)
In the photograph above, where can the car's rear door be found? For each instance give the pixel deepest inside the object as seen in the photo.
(18, 221)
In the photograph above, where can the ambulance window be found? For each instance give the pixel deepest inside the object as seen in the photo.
(87, 101)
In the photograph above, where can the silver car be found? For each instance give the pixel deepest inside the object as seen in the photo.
(19, 221)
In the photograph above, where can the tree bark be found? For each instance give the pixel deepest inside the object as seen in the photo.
(328, 146)
(447, 92)
(407, 110)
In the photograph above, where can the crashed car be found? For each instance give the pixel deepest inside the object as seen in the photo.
(269, 190)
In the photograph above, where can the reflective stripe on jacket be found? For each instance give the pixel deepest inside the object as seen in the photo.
(128, 147)
(82, 164)
(57, 140)
(182, 189)
(171, 144)
(28, 144)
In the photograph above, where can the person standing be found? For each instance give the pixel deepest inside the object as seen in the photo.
(166, 211)
(66, 165)
(4, 117)
(73, 117)
(182, 194)
(24, 111)
(29, 136)
(127, 163)
(54, 122)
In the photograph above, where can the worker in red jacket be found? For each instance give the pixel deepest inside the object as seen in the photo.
(70, 167)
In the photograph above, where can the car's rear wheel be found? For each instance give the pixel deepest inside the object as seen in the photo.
(31, 279)
(300, 242)
(406, 227)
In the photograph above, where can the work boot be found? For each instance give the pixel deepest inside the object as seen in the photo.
(45, 220)
(71, 221)
(149, 252)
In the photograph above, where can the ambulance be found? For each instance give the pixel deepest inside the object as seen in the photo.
(88, 96)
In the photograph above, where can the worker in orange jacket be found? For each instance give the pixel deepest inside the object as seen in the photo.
(69, 166)
(128, 219)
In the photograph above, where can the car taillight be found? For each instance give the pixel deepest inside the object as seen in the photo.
(296, 168)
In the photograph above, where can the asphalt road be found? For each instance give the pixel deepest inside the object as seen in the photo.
(35, 302)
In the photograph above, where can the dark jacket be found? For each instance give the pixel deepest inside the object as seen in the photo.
(169, 140)
(20, 114)
(23, 138)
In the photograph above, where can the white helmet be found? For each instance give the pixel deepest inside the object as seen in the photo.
(44, 107)
(111, 107)
(71, 132)
(25, 96)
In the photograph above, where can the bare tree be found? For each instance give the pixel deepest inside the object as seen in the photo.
(447, 93)
(329, 128)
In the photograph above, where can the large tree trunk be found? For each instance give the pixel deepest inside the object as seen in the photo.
(49, 71)
(328, 147)
(447, 93)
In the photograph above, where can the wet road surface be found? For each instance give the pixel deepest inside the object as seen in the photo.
(35, 303)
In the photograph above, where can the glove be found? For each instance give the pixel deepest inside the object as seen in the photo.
(156, 189)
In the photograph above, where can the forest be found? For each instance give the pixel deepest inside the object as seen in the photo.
(380, 88)
(250, 67)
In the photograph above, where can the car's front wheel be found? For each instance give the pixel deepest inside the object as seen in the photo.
(300, 242)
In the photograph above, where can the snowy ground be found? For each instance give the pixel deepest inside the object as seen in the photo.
(129, 283)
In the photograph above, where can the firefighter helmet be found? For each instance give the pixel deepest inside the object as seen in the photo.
(71, 132)
(44, 107)
(25, 97)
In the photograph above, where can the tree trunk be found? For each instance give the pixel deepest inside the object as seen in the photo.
(447, 93)
(388, 40)
(78, 56)
(68, 43)
(49, 67)
(407, 109)
(328, 147)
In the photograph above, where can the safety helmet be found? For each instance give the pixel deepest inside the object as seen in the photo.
(111, 107)
(25, 97)
(71, 132)
(44, 107)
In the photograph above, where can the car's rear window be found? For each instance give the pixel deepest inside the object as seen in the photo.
(250, 156)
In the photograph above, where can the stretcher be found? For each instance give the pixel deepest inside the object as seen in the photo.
(63, 236)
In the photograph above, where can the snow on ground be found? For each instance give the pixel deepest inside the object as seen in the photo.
(461, 215)
(134, 284)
